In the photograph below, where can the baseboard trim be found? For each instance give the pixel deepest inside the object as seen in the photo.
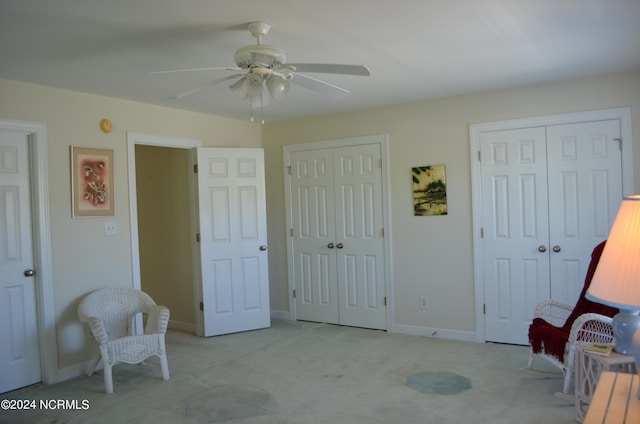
(437, 333)
(182, 326)
(410, 330)
(280, 314)
(73, 371)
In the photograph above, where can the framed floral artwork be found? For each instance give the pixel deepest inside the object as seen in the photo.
(92, 182)
(429, 190)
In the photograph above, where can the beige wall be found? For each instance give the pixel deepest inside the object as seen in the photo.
(83, 257)
(432, 256)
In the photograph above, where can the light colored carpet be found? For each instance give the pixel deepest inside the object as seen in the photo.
(308, 373)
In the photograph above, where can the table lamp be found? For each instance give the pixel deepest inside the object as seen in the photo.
(616, 281)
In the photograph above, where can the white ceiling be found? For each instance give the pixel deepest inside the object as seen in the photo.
(415, 49)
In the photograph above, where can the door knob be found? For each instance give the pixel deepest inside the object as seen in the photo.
(542, 249)
(330, 245)
(29, 273)
(339, 245)
(263, 247)
(556, 249)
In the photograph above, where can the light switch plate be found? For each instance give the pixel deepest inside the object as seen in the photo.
(110, 228)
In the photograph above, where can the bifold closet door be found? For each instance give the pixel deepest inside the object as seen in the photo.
(336, 197)
(549, 195)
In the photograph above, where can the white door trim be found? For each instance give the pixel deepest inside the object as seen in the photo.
(160, 141)
(383, 141)
(38, 162)
(623, 114)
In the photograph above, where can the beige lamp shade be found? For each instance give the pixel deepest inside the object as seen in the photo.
(616, 281)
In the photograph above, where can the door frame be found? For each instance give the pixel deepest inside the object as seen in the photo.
(622, 114)
(383, 141)
(161, 141)
(39, 187)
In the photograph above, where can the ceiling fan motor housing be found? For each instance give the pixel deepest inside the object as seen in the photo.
(259, 55)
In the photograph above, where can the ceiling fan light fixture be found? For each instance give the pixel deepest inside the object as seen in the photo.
(278, 86)
(237, 88)
(252, 85)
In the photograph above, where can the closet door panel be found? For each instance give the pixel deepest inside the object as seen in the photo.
(312, 197)
(359, 236)
(585, 191)
(515, 220)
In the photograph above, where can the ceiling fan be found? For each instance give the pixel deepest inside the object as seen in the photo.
(266, 73)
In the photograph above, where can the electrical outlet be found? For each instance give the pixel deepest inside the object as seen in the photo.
(424, 304)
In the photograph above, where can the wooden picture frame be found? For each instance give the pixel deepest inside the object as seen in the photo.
(92, 185)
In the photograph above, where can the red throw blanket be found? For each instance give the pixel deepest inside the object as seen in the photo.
(551, 339)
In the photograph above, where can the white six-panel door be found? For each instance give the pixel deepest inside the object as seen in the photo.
(233, 240)
(359, 236)
(550, 194)
(338, 244)
(585, 191)
(515, 225)
(19, 349)
(314, 238)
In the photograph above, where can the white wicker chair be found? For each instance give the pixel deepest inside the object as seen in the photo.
(110, 313)
(586, 322)
(586, 329)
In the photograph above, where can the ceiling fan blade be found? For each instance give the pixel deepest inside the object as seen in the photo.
(327, 68)
(321, 87)
(204, 85)
(171, 71)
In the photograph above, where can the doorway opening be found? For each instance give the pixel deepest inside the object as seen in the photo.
(163, 225)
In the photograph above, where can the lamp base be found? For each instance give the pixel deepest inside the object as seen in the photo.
(636, 353)
(625, 324)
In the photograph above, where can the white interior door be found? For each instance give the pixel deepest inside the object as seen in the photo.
(516, 230)
(550, 195)
(19, 350)
(233, 240)
(338, 239)
(314, 235)
(359, 236)
(585, 191)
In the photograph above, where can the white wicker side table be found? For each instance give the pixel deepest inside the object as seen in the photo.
(588, 367)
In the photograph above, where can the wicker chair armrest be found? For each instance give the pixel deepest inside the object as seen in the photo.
(592, 328)
(158, 319)
(553, 311)
(98, 330)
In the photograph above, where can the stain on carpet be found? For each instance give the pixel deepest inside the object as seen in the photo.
(438, 383)
(229, 402)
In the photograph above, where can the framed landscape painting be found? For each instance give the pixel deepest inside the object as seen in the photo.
(429, 190)
(92, 182)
